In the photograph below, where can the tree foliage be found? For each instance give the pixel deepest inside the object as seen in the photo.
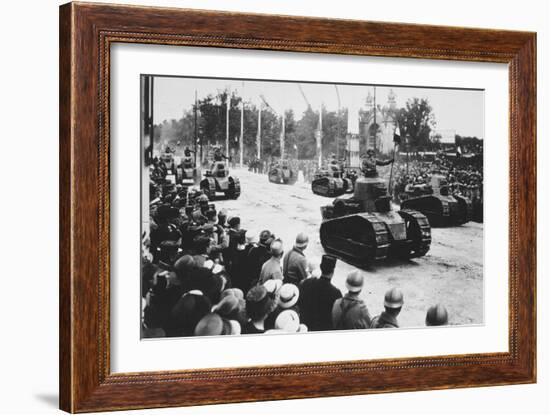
(416, 120)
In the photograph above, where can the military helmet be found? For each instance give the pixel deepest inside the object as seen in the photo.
(437, 316)
(393, 298)
(354, 281)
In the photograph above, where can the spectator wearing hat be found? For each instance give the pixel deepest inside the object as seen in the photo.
(222, 217)
(232, 307)
(259, 254)
(317, 297)
(295, 263)
(287, 299)
(273, 287)
(350, 312)
(154, 311)
(167, 253)
(190, 308)
(393, 302)
(234, 230)
(214, 325)
(201, 244)
(234, 223)
(148, 272)
(271, 269)
(233, 237)
(259, 303)
(210, 281)
(219, 239)
(183, 268)
(288, 321)
(238, 266)
(166, 289)
(437, 316)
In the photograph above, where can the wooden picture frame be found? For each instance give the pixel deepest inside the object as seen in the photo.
(86, 33)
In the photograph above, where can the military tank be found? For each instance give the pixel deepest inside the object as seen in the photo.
(217, 180)
(363, 228)
(440, 206)
(282, 173)
(331, 182)
(169, 162)
(186, 172)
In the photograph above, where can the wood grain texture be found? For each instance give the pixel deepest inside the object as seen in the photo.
(86, 33)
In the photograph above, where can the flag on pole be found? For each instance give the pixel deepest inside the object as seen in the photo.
(397, 136)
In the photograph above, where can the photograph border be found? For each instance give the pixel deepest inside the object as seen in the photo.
(86, 33)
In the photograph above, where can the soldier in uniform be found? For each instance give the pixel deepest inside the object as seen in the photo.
(437, 316)
(333, 166)
(350, 312)
(187, 152)
(369, 163)
(218, 155)
(187, 162)
(393, 302)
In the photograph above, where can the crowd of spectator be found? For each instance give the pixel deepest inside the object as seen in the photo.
(463, 175)
(204, 275)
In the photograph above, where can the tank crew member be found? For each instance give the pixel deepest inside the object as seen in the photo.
(187, 152)
(218, 155)
(187, 161)
(369, 163)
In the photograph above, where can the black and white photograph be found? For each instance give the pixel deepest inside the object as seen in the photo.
(278, 206)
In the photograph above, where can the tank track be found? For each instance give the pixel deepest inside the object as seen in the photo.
(210, 191)
(378, 246)
(381, 237)
(422, 245)
(323, 187)
(234, 189)
(237, 187)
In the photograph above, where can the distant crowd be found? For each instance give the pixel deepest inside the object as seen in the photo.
(463, 176)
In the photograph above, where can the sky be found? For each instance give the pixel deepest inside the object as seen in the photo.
(454, 109)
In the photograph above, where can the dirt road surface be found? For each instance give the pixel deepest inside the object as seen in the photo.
(451, 273)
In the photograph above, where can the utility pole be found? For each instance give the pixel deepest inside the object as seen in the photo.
(241, 139)
(259, 135)
(374, 122)
(337, 125)
(320, 137)
(227, 104)
(196, 130)
(283, 137)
